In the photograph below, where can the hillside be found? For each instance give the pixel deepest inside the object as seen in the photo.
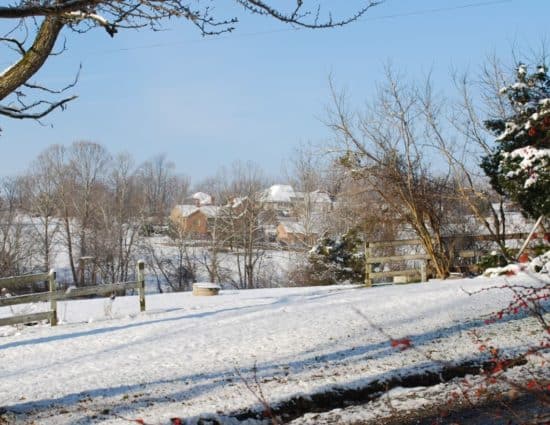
(191, 357)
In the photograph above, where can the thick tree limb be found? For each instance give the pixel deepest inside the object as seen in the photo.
(33, 58)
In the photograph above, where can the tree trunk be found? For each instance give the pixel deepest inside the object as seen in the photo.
(70, 246)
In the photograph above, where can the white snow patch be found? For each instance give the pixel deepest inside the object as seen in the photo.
(179, 357)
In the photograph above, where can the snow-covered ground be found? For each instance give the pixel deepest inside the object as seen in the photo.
(106, 361)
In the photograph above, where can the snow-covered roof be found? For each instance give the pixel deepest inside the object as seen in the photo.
(319, 197)
(269, 229)
(203, 198)
(286, 193)
(294, 227)
(208, 210)
(279, 193)
(236, 202)
(186, 210)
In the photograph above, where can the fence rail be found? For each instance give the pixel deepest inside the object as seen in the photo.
(54, 295)
(396, 258)
(8, 282)
(393, 273)
(26, 318)
(24, 299)
(371, 259)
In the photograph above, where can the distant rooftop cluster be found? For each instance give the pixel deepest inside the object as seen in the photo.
(280, 193)
(287, 216)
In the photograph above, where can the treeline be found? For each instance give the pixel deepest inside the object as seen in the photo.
(94, 214)
(432, 166)
(81, 201)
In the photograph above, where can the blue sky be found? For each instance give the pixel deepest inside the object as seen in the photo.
(259, 92)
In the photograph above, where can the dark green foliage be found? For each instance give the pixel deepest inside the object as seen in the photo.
(519, 166)
(497, 259)
(540, 249)
(335, 260)
(491, 260)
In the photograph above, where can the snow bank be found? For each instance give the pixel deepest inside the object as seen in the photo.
(539, 265)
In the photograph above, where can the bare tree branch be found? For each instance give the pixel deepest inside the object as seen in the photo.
(39, 24)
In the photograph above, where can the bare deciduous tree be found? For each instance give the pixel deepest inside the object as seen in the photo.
(162, 189)
(56, 160)
(78, 173)
(176, 263)
(41, 203)
(120, 221)
(87, 166)
(478, 99)
(15, 252)
(388, 151)
(238, 224)
(310, 177)
(245, 220)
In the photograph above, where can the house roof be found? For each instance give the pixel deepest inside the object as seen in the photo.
(203, 198)
(269, 229)
(238, 201)
(187, 210)
(319, 197)
(210, 211)
(278, 193)
(316, 224)
(315, 197)
(293, 227)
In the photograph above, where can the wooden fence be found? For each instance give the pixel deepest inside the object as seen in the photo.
(371, 259)
(54, 295)
(422, 272)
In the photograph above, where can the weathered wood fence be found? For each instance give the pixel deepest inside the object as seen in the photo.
(54, 295)
(371, 259)
(421, 273)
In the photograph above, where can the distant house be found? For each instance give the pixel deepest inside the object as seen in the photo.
(201, 198)
(287, 202)
(294, 233)
(279, 196)
(269, 232)
(318, 197)
(194, 220)
(315, 197)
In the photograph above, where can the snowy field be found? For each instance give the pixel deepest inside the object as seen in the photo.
(106, 361)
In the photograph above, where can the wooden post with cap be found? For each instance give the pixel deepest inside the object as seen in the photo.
(368, 265)
(141, 284)
(424, 271)
(53, 300)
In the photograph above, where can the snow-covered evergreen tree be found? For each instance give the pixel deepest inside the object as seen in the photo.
(519, 166)
(340, 259)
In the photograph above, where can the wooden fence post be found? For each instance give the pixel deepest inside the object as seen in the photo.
(368, 266)
(53, 300)
(424, 271)
(141, 284)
